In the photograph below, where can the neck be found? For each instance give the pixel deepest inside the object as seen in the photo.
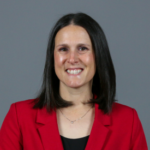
(77, 96)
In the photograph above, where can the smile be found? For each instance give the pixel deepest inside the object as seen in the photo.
(74, 72)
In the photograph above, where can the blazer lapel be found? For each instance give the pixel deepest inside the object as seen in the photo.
(48, 130)
(99, 133)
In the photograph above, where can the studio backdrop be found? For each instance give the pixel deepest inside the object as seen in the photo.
(24, 31)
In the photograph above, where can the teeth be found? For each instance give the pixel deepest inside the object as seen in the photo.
(74, 71)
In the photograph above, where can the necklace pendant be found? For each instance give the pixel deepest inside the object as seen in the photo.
(72, 122)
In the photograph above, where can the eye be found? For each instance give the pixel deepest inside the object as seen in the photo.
(82, 48)
(63, 49)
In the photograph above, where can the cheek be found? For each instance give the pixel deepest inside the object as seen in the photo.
(90, 60)
(58, 60)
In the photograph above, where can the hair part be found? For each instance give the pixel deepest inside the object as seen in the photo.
(104, 80)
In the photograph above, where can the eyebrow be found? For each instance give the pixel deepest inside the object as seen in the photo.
(77, 44)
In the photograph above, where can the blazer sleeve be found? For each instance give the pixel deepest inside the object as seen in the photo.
(10, 134)
(138, 137)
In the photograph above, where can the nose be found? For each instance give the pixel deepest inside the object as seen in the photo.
(72, 57)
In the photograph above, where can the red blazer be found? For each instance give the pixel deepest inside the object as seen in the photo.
(34, 129)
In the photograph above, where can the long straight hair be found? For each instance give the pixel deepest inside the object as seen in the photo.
(104, 80)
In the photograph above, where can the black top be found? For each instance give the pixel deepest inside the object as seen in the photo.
(74, 144)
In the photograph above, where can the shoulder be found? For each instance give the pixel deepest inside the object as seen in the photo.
(24, 109)
(124, 113)
(120, 108)
(20, 114)
(24, 106)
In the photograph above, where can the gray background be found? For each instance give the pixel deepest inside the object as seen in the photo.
(24, 30)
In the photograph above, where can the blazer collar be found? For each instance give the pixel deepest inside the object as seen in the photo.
(49, 133)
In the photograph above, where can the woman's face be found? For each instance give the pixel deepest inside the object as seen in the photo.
(74, 59)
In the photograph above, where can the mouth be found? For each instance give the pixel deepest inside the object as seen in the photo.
(74, 72)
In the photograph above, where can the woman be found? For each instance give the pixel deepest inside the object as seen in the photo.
(76, 108)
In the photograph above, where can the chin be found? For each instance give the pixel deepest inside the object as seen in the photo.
(74, 85)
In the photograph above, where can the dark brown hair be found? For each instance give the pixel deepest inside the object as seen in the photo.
(104, 80)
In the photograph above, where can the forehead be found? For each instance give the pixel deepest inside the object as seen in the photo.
(73, 34)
